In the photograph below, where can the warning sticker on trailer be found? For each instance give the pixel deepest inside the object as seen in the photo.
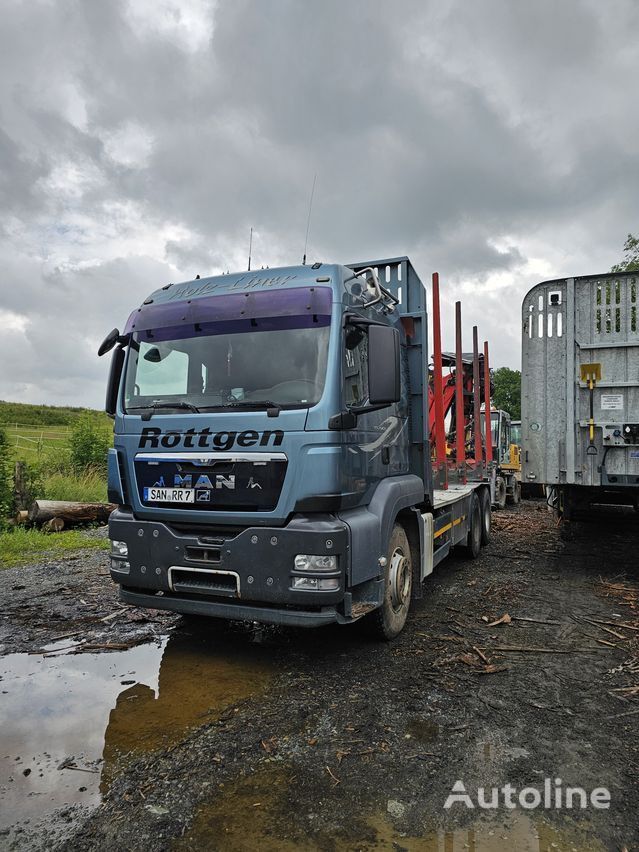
(611, 402)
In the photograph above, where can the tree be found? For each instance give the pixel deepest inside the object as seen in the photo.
(507, 395)
(630, 262)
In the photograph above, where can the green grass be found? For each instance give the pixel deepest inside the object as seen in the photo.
(20, 546)
(35, 444)
(88, 487)
(12, 413)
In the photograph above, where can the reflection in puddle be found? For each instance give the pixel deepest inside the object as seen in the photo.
(83, 708)
(516, 832)
(264, 811)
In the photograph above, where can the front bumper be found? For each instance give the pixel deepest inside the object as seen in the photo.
(242, 573)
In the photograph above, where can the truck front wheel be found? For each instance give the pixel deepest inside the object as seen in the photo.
(388, 621)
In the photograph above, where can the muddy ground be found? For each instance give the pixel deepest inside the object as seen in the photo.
(153, 732)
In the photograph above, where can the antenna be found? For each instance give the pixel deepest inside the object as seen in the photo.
(250, 249)
(308, 221)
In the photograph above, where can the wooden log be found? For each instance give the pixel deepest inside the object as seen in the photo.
(21, 517)
(54, 525)
(42, 511)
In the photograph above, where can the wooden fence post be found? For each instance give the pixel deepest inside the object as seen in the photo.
(20, 487)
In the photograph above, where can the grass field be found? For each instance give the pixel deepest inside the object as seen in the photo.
(29, 442)
(65, 453)
(20, 546)
(12, 413)
(40, 436)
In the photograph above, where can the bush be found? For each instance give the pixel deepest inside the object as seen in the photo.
(89, 444)
(6, 492)
(87, 487)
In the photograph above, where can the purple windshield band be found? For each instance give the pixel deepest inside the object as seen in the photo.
(203, 329)
(239, 308)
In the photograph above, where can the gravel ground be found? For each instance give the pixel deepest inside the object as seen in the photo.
(330, 740)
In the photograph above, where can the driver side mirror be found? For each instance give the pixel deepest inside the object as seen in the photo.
(384, 383)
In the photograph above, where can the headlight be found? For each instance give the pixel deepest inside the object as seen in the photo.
(306, 562)
(119, 548)
(316, 584)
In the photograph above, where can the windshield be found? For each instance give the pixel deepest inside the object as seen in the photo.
(280, 360)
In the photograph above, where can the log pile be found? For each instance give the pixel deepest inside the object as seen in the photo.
(56, 515)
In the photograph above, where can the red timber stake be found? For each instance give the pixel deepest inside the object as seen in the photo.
(460, 425)
(487, 407)
(438, 389)
(476, 401)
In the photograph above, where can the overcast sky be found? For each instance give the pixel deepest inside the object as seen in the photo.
(497, 142)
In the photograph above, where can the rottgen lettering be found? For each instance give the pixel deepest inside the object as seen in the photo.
(152, 438)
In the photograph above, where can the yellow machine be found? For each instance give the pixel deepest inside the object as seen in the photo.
(507, 455)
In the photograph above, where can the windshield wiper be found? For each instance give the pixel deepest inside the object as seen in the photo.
(272, 408)
(152, 406)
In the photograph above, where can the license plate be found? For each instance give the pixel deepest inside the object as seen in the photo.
(169, 495)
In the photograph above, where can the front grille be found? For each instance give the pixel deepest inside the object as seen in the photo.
(181, 484)
(204, 532)
(203, 581)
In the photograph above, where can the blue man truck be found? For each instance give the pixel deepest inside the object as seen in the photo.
(271, 458)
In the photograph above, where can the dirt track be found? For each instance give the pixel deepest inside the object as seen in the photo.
(224, 736)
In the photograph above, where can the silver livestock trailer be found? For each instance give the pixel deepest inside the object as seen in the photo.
(580, 391)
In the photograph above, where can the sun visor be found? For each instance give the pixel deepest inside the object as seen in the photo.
(232, 308)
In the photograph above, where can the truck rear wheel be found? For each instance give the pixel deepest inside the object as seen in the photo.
(484, 502)
(475, 528)
(388, 621)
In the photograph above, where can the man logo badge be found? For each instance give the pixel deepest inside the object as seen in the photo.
(253, 484)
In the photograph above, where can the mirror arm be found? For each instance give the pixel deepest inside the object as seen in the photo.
(364, 322)
(364, 409)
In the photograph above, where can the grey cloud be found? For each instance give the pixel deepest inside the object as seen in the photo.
(492, 141)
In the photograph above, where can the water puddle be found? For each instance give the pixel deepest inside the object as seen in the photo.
(265, 811)
(69, 723)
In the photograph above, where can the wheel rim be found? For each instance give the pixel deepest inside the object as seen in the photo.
(399, 579)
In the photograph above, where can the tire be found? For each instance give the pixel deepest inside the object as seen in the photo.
(514, 498)
(500, 492)
(388, 621)
(473, 541)
(484, 502)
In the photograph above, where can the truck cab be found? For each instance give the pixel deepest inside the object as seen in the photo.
(268, 463)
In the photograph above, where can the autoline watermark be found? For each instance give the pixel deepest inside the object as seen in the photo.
(552, 796)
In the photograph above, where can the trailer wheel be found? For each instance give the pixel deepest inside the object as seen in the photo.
(475, 528)
(388, 621)
(500, 492)
(484, 501)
